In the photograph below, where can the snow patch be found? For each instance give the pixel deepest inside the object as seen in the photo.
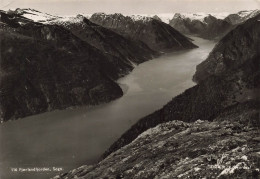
(249, 13)
(140, 18)
(35, 15)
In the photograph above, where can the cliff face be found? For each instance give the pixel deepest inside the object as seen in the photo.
(222, 143)
(156, 34)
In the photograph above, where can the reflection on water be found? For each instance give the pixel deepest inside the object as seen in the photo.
(72, 137)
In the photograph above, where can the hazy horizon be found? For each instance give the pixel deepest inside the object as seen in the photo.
(70, 7)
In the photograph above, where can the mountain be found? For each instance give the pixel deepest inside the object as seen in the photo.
(241, 16)
(232, 51)
(209, 26)
(104, 39)
(203, 25)
(46, 67)
(50, 63)
(156, 34)
(166, 17)
(210, 130)
(108, 41)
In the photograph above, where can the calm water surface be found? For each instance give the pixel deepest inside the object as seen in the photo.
(73, 137)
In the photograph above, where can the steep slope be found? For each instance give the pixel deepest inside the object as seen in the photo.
(222, 143)
(45, 67)
(232, 51)
(241, 16)
(108, 41)
(156, 34)
(104, 39)
(203, 25)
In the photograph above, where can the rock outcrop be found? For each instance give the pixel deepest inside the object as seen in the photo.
(219, 149)
(156, 34)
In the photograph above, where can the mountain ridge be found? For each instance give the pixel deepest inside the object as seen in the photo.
(157, 35)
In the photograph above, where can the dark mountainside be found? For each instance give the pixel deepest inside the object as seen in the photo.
(232, 51)
(45, 67)
(103, 39)
(224, 140)
(210, 28)
(156, 34)
(108, 41)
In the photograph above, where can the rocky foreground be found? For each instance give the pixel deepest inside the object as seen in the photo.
(223, 148)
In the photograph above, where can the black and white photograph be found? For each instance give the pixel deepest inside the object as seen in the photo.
(130, 89)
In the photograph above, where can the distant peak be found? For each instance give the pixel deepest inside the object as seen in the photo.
(141, 18)
(21, 11)
(80, 16)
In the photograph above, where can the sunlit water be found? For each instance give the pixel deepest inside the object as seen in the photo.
(73, 137)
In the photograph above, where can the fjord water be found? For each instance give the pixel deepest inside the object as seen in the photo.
(73, 137)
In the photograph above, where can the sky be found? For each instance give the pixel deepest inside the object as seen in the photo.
(71, 7)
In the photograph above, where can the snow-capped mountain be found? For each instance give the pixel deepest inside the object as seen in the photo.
(157, 35)
(141, 18)
(210, 25)
(34, 15)
(203, 25)
(241, 16)
(164, 17)
(167, 17)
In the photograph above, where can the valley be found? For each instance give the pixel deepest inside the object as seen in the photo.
(129, 96)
